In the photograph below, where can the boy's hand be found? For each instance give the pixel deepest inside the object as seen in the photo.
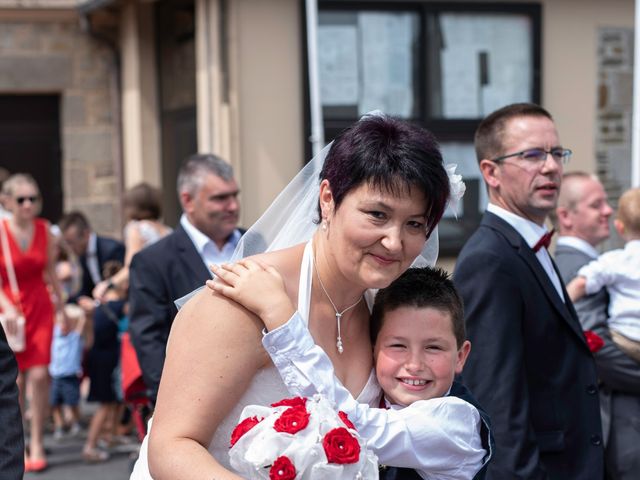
(577, 288)
(257, 287)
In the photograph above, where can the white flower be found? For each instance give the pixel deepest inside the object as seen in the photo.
(254, 452)
(456, 187)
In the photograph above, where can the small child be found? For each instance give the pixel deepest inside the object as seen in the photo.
(426, 422)
(619, 271)
(71, 335)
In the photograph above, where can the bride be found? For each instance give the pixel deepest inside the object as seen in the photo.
(382, 190)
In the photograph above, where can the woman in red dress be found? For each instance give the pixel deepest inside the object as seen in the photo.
(31, 247)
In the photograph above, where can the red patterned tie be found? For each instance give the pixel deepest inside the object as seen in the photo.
(544, 241)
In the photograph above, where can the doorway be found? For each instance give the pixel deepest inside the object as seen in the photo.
(30, 143)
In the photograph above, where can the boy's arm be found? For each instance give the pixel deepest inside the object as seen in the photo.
(576, 288)
(440, 436)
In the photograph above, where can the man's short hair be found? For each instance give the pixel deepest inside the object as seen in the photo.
(629, 210)
(489, 136)
(568, 197)
(420, 288)
(194, 167)
(74, 218)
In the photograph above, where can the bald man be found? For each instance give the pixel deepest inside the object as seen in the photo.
(582, 219)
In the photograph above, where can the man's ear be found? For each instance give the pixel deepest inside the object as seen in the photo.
(326, 200)
(186, 201)
(564, 219)
(490, 173)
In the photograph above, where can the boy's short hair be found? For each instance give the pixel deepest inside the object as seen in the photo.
(420, 288)
(629, 210)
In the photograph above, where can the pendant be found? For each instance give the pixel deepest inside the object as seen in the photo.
(339, 345)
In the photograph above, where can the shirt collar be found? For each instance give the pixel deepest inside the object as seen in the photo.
(92, 245)
(200, 240)
(632, 246)
(579, 244)
(530, 231)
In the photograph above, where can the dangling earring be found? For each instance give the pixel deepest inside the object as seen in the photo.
(324, 225)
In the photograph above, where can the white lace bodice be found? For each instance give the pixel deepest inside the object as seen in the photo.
(266, 387)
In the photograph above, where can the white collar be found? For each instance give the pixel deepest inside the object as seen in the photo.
(92, 245)
(530, 231)
(200, 240)
(577, 243)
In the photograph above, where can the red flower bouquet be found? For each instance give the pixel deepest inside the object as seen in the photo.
(301, 439)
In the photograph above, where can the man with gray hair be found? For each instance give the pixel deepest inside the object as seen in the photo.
(582, 220)
(179, 263)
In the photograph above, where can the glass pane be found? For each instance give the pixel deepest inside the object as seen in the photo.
(464, 156)
(478, 62)
(367, 61)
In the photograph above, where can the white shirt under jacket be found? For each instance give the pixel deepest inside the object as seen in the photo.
(439, 438)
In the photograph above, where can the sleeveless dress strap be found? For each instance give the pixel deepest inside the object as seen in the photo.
(306, 277)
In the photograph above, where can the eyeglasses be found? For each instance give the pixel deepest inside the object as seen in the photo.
(32, 199)
(537, 156)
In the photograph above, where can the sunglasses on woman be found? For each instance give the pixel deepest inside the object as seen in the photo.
(32, 199)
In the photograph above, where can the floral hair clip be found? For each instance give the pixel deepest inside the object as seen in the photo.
(302, 439)
(456, 187)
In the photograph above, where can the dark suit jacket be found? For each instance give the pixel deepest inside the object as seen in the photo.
(158, 275)
(619, 376)
(530, 366)
(106, 249)
(11, 435)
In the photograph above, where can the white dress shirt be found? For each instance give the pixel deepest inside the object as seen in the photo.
(207, 248)
(92, 258)
(619, 271)
(531, 232)
(439, 438)
(579, 244)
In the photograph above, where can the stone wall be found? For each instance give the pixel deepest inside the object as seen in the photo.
(614, 114)
(45, 53)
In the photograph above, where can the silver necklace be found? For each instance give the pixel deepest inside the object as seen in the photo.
(339, 345)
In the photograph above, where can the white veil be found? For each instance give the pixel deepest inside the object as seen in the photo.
(292, 217)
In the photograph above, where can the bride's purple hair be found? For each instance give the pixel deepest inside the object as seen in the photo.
(389, 154)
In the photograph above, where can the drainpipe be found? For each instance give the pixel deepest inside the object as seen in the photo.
(317, 127)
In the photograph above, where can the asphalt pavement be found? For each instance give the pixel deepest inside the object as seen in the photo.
(65, 460)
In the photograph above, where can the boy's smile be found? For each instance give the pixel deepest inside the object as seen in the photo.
(416, 354)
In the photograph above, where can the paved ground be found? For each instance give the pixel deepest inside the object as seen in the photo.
(66, 463)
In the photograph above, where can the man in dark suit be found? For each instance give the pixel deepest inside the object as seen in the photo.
(530, 366)
(93, 251)
(178, 264)
(11, 435)
(582, 218)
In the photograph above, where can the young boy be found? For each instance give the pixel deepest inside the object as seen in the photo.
(417, 329)
(71, 335)
(619, 271)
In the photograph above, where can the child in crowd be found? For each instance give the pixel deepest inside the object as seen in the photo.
(619, 271)
(426, 421)
(72, 334)
(102, 360)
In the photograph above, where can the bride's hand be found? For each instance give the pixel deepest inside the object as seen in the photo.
(257, 287)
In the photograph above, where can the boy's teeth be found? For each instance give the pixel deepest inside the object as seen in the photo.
(414, 382)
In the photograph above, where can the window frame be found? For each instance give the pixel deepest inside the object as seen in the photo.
(445, 130)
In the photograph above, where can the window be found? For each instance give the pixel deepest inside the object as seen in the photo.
(440, 64)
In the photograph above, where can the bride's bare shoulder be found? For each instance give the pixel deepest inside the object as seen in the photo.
(286, 261)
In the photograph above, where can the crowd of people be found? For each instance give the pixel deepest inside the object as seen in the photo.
(523, 364)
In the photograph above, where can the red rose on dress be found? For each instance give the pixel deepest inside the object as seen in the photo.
(282, 469)
(243, 427)
(291, 402)
(594, 341)
(345, 419)
(340, 446)
(292, 420)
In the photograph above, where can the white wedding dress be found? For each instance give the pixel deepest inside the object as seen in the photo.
(266, 387)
